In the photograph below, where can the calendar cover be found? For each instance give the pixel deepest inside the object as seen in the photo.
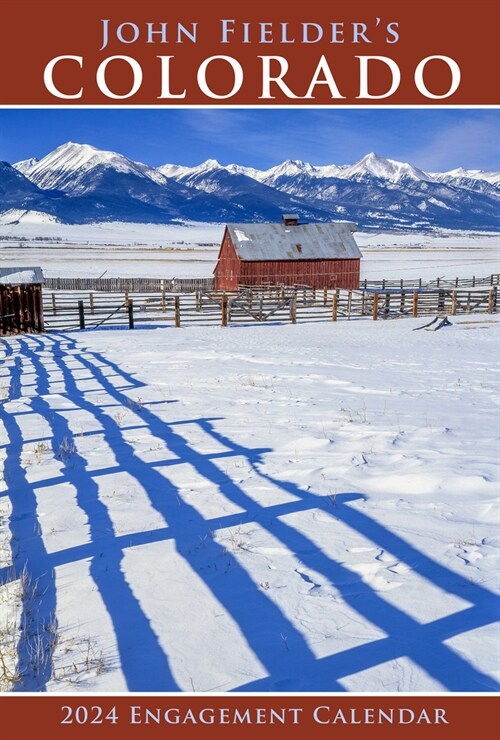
(249, 355)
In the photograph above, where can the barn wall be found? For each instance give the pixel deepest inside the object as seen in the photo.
(315, 273)
(227, 271)
(21, 310)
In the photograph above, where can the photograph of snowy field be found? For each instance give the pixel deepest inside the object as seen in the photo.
(267, 508)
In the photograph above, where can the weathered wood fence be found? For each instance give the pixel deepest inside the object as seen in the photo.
(190, 285)
(132, 284)
(66, 310)
(21, 310)
(438, 282)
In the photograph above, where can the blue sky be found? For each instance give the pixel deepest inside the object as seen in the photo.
(432, 139)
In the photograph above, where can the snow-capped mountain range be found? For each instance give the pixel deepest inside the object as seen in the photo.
(78, 183)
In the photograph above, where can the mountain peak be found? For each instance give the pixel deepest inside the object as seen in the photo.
(210, 164)
(288, 168)
(386, 169)
(66, 166)
(373, 157)
(296, 164)
(76, 146)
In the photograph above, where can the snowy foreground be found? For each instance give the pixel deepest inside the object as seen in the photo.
(259, 508)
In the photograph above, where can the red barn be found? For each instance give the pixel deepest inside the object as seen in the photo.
(320, 255)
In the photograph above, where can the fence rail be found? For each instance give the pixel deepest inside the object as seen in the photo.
(190, 285)
(64, 310)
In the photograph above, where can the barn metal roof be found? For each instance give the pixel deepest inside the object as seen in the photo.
(274, 241)
(21, 275)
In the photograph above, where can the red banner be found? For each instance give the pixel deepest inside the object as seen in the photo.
(259, 53)
(279, 717)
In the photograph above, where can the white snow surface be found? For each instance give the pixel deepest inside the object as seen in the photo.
(16, 216)
(307, 507)
(26, 165)
(19, 277)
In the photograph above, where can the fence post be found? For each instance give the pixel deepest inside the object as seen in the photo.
(414, 308)
(453, 302)
(130, 311)
(39, 311)
(335, 303)
(81, 315)
(18, 308)
(375, 306)
(387, 305)
(325, 297)
(177, 311)
(163, 301)
(91, 302)
(53, 304)
(473, 281)
(197, 300)
(293, 309)
(349, 304)
(491, 296)
(224, 310)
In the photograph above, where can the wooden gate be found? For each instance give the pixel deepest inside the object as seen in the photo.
(261, 305)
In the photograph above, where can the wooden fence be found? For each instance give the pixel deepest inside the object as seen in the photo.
(439, 282)
(190, 285)
(132, 284)
(21, 310)
(65, 310)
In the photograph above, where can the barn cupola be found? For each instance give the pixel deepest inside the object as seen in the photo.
(290, 219)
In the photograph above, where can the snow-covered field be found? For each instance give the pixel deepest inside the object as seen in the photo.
(121, 250)
(257, 508)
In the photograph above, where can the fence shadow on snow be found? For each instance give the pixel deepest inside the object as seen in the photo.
(50, 378)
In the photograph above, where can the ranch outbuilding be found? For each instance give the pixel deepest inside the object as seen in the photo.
(318, 255)
(21, 308)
